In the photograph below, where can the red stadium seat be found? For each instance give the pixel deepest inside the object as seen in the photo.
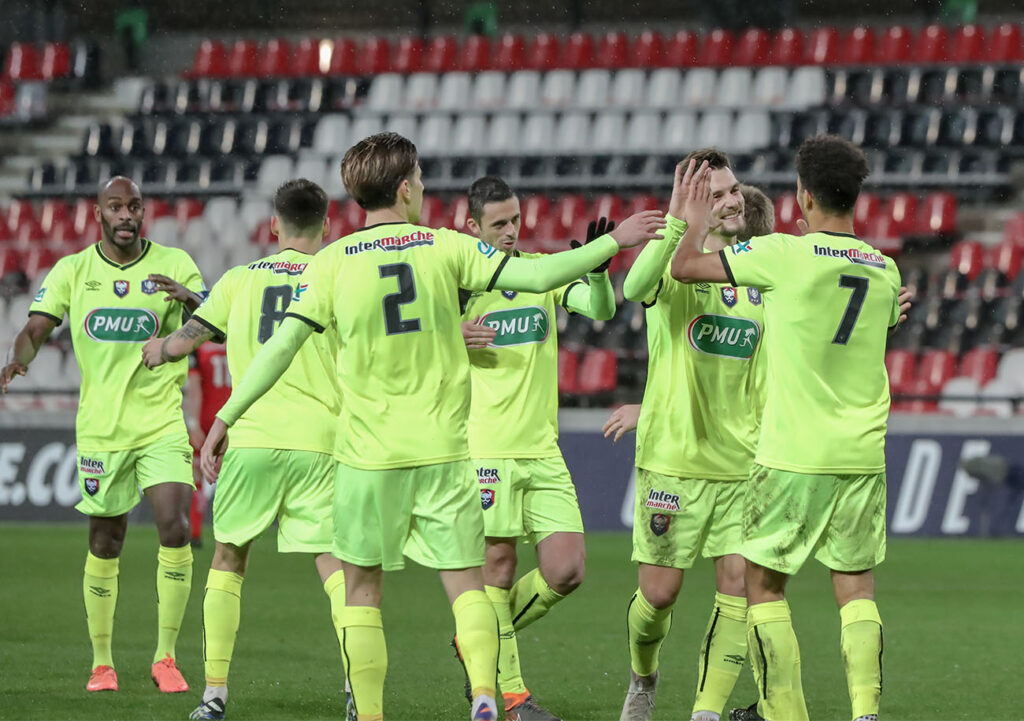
(243, 60)
(262, 236)
(22, 62)
(10, 260)
(647, 51)
(344, 57)
(968, 45)
(612, 52)
(442, 55)
(752, 48)
(543, 52)
(52, 212)
(408, 55)
(185, 210)
(937, 367)
(1007, 258)
(20, 211)
(475, 55)
(896, 46)
(980, 364)
(458, 213)
(568, 208)
(305, 61)
(1013, 231)
(1005, 47)
(211, 60)
(932, 45)
(352, 215)
(56, 62)
(640, 203)
(859, 47)
(787, 47)
(82, 212)
(568, 370)
(919, 387)
(578, 52)
(967, 258)
(275, 59)
(61, 233)
(901, 211)
(608, 206)
(156, 208)
(901, 366)
(682, 50)
(598, 372)
(432, 210)
(865, 211)
(787, 212)
(7, 97)
(549, 235)
(532, 209)
(822, 47)
(508, 56)
(716, 50)
(937, 214)
(37, 260)
(28, 232)
(374, 56)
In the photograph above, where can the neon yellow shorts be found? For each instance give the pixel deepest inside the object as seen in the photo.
(429, 513)
(110, 481)
(257, 485)
(788, 516)
(674, 519)
(531, 497)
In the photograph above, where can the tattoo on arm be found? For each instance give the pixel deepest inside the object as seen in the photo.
(193, 332)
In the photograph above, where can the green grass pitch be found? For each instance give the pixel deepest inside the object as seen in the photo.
(951, 611)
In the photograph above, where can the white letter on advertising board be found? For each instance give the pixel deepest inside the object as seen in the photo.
(917, 487)
(954, 522)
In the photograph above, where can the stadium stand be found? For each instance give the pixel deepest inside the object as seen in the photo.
(581, 125)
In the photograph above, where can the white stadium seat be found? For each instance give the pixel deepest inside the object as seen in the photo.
(593, 88)
(628, 88)
(405, 125)
(752, 131)
(435, 136)
(524, 90)
(573, 133)
(455, 91)
(960, 386)
(489, 90)
(538, 134)
(556, 91)
(664, 88)
(71, 372)
(609, 131)
(332, 132)
(715, 130)
(332, 183)
(469, 136)
(386, 92)
(363, 126)
(252, 212)
(769, 88)
(678, 132)
(421, 91)
(995, 392)
(164, 231)
(643, 132)
(1011, 367)
(198, 233)
(45, 371)
(733, 89)
(274, 170)
(806, 88)
(313, 169)
(503, 134)
(220, 212)
(700, 88)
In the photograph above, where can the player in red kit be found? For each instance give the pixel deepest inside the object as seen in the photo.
(208, 386)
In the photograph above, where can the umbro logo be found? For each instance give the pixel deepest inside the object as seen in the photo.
(99, 591)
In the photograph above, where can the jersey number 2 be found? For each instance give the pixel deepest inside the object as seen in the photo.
(860, 290)
(393, 321)
(275, 302)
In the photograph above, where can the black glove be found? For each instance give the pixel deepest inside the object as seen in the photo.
(597, 228)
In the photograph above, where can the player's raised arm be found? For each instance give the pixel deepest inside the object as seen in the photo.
(690, 263)
(26, 345)
(539, 275)
(177, 345)
(595, 298)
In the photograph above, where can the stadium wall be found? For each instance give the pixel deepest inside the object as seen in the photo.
(928, 494)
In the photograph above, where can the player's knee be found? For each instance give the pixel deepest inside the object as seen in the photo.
(104, 545)
(566, 579)
(173, 530)
(661, 597)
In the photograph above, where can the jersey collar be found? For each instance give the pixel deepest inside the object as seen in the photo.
(145, 249)
(840, 235)
(377, 225)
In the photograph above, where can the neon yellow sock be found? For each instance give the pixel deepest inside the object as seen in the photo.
(862, 655)
(173, 586)
(531, 598)
(647, 628)
(334, 587)
(99, 586)
(775, 656)
(476, 627)
(722, 653)
(510, 675)
(222, 611)
(365, 656)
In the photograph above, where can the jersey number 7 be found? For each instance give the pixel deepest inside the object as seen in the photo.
(393, 321)
(860, 291)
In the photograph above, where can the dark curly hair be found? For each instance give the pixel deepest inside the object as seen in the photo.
(832, 170)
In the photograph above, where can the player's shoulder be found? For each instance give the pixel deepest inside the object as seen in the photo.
(773, 242)
(71, 261)
(167, 254)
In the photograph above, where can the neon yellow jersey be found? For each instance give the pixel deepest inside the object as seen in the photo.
(829, 300)
(391, 290)
(113, 310)
(514, 408)
(300, 412)
(705, 381)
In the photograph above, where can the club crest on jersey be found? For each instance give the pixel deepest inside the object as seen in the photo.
(120, 288)
(486, 497)
(729, 296)
(91, 466)
(662, 500)
(149, 286)
(92, 486)
(754, 296)
(488, 475)
(510, 294)
(660, 523)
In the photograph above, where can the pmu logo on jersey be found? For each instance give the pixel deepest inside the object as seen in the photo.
(725, 336)
(660, 523)
(754, 296)
(488, 475)
(120, 288)
(662, 500)
(729, 296)
(148, 286)
(875, 260)
(518, 326)
(92, 486)
(121, 325)
(91, 466)
(392, 242)
(279, 267)
(486, 497)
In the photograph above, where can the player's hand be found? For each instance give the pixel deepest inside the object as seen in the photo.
(196, 437)
(801, 225)
(477, 335)
(904, 299)
(622, 420)
(212, 453)
(173, 289)
(597, 228)
(10, 370)
(699, 202)
(681, 189)
(152, 353)
(638, 228)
